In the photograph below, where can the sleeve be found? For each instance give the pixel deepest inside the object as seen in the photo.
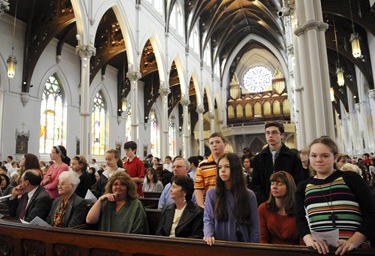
(55, 178)
(140, 225)
(365, 200)
(163, 199)
(159, 187)
(140, 169)
(199, 183)
(51, 212)
(197, 224)
(256, 183)
(302, 225)
(254, 227)
(41, 208)
(297, 170)
(264, 234)
(209, 214)
(12, 205)
(78, 215)
(159, 230)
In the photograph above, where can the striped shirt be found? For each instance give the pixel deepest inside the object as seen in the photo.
(332, 203)
(206, 175)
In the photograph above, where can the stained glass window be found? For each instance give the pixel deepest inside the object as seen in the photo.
(257, 79)
(155, 137)
(98, 125)
(172, 137)
(52, 116)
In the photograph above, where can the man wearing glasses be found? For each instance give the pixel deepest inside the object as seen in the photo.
(275, 157)
(180, 167)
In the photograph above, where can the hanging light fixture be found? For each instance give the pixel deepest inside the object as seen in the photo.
(124, 105)
(354, 38)
(339, 70)
(12, 59)
(332, 94)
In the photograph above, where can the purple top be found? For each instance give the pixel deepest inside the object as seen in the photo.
(227, 230)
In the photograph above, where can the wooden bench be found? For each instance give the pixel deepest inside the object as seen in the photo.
(151, 203)
(20, 239)
(153, 219)
(151, 194)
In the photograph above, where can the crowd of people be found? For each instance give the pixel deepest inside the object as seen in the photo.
(315, 196)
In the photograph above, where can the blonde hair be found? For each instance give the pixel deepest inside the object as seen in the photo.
(351, 168)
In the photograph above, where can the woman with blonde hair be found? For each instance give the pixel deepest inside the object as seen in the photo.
(119, 209)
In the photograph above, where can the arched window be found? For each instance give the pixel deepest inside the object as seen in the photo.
(52, 116)
(98, 125)
(194, 40)
(176, 20)
(207, 55)
(157, 4)
(257, 79)
(172, 136)
(154, 138)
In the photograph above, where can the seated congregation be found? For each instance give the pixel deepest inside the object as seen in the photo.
(330, 202)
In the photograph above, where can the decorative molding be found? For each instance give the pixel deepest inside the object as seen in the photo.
(311, 24)
(25, 96)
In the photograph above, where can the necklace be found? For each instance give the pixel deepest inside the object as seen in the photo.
(332, 217)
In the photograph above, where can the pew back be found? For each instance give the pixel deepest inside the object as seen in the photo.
(20, 239)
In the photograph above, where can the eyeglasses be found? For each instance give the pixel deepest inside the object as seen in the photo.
(272, 133)
(118, 185)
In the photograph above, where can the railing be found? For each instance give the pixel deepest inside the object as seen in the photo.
(20, 239)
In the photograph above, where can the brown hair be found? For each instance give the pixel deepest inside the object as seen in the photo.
(125, 179)
(289, 201)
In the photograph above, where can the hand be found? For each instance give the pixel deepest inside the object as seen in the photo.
(18, 190)
(321, 247)
(109, 197)
(209, 240)
(343, 246)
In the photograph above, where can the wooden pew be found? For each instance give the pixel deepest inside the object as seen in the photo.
(148, 194)
(20, 239)
(153, 219)
(151, 203)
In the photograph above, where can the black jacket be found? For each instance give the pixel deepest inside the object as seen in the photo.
(286, 160)
(190, 224)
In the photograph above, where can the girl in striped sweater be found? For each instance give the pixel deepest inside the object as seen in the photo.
(333, 200)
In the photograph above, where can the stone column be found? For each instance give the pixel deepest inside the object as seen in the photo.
(212, 121)
(85, 52)
(371, 94)
(164, 91)
(185, 128)
(134, 77)
(200, 110)
(314, 74)
(355, 120)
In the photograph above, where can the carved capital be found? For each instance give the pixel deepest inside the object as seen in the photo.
(164, 91)
(25, 96)
(85, 51)
(185, 102)
(371, 93)
(200, 109)
(311, 24)
(134, 76)
(4, 6)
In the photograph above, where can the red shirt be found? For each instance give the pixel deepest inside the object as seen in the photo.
(136, 168)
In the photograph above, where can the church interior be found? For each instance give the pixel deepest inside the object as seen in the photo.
(91, 75)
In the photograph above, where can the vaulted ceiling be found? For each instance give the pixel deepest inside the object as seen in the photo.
(223, 25)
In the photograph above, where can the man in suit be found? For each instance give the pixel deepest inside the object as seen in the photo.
(35, 201)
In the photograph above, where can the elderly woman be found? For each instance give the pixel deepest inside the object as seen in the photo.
(119, 209)
(183, 218)
(68, 210)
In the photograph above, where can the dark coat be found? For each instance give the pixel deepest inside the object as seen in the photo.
(75, 212)
(39, 205)
(286, 160)
(190, 225)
